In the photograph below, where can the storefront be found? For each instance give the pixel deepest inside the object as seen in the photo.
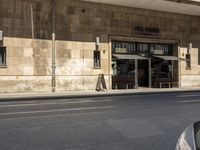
(136, 47)
(139, 64)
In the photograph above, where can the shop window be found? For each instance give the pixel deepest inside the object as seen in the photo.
(188, 61)
(161, 49)
(97, 59)
(141, 47)
(123, 47)
(2, 56)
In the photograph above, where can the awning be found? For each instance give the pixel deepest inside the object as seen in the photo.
(168, 57)
(125, 56)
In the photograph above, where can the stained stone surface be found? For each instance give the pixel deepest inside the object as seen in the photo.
(78, 23)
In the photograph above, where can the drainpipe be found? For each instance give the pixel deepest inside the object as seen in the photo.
(53, 79)
(32, 25)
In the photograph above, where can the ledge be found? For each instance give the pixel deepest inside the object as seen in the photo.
(3, 66)
(96, 67)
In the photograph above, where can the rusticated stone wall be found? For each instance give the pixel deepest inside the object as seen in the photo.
(83, 21)
(78, 23)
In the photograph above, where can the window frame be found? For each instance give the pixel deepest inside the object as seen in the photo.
(188, 61)
(96, 55)
(136, 48)
(3, 53)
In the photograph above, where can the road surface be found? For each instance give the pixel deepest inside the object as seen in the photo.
(131, 122)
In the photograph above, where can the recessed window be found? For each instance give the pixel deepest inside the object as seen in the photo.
(2, 56)
(142, 47)
(97, 59)
(188, 61)
(123, 47)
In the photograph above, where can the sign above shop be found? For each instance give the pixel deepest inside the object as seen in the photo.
(1, 35)
(158, 52)
(120, 50)
(152, 31)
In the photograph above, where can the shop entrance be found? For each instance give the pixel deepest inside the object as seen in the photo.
(143, 73)
(138, 64)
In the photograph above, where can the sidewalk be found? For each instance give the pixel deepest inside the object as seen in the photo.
(80, 94)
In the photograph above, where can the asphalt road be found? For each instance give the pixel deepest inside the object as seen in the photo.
(131, 122)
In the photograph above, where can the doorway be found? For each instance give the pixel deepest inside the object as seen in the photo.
(143, 73)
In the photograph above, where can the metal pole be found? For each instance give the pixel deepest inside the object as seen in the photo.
(150, 75)
(32, 26)
(172, 69)
(32, 22)
(136, 73)
(53, 80)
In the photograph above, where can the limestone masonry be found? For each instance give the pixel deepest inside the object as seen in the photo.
(78, 24)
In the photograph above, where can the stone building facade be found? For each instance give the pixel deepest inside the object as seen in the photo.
(78, 23)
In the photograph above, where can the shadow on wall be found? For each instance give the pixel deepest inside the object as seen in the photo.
(84, 21)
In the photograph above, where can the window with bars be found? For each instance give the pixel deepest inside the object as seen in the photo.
(141, 48)
(2, 56)
(123, 47)
(188, 62)
(97, 59)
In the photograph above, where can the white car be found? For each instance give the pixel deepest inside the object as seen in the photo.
(190, 138)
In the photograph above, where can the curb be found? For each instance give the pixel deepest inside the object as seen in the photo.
(73, 96)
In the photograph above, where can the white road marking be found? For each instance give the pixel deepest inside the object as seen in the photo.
(55, 110)
(189, 95)
(189, 101)
(54, 103)
(54, 115)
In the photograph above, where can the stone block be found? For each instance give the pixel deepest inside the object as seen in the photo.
(88, 71)
(40, 71)
(71, 45)
(62, 62)
(88, 62)
(61, 45)
(3, 71)
(89, 46)
(46, 44)
(75, 19)
(14, 51)
(28, 70)
(190, 80)
(14, 61)
(87, 54)
(42, 62)
(27, 61)
(44, 52)
(18, 42)
(64, 53)
(14, 70)
(65, 83)
(28, 52)
(75, 54)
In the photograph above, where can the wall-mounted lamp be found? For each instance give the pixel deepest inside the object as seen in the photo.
(97, 43)
(189, 47)
(1, 38)
(1, 35)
